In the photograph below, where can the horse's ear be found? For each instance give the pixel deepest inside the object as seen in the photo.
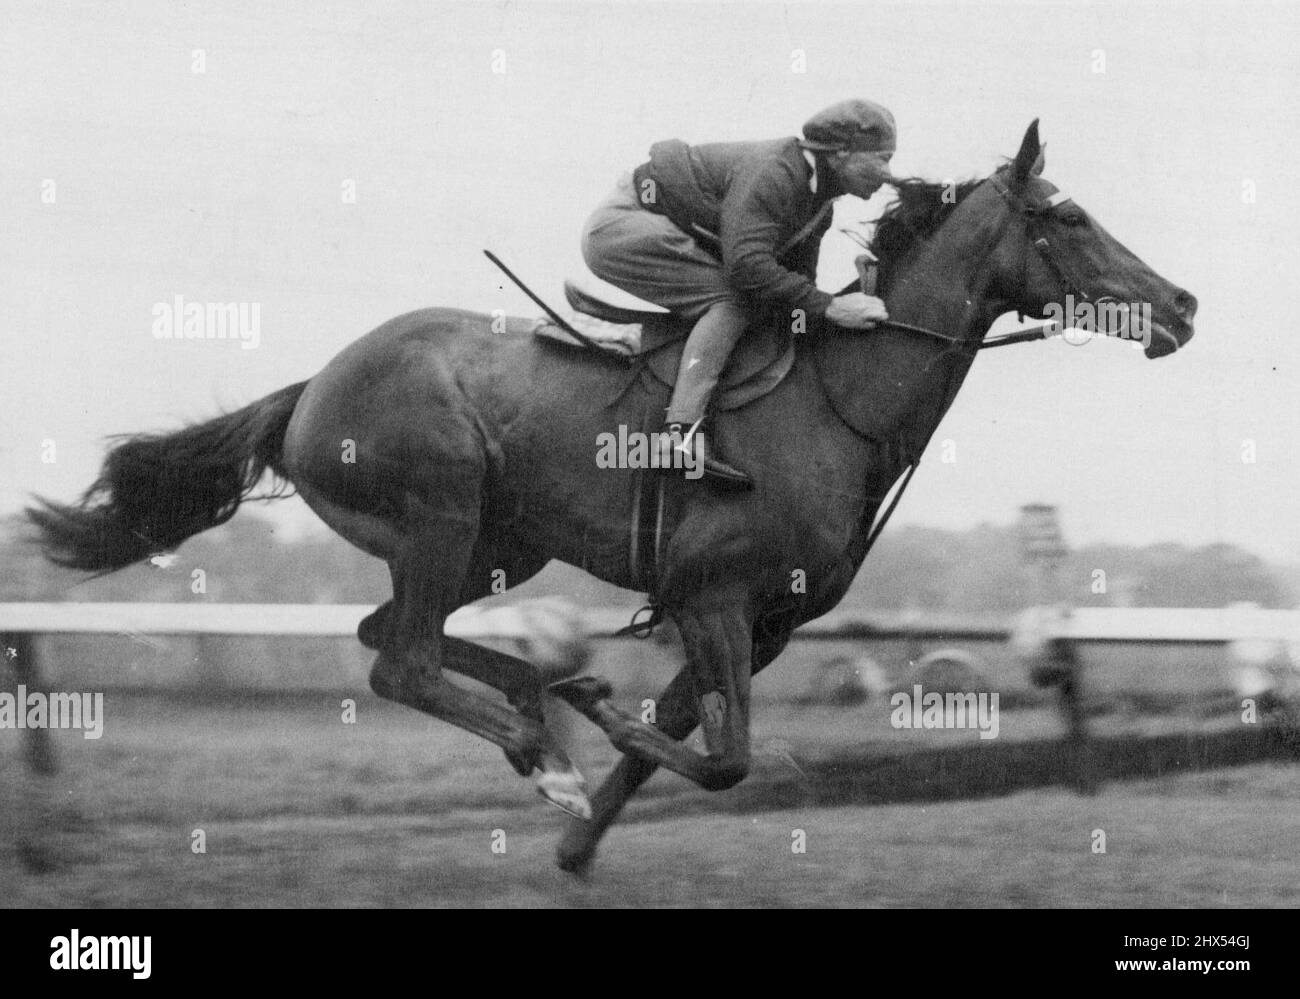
(1029, 160)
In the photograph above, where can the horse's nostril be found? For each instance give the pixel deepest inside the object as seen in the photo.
(1185, 305)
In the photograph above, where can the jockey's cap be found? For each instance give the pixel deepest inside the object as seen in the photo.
(854, 125)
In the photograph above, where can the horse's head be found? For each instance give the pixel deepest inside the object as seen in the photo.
(1052, 259)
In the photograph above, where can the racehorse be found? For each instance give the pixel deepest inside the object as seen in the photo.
(457, 452)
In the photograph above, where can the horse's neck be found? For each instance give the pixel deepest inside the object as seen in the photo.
(933, 290)
(893, 386)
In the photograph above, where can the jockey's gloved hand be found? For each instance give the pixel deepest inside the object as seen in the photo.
(856, 311)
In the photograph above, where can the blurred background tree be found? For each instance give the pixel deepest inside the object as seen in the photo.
(922, 568)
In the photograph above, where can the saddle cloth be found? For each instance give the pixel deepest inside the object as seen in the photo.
(655, 341)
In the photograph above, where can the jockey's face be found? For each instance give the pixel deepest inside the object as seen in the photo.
(861, 173)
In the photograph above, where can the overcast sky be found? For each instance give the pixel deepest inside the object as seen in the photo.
(465, 126)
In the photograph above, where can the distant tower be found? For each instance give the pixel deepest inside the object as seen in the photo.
(1043, 546)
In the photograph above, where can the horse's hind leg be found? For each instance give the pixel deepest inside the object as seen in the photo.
(517, 678)
(427, 582)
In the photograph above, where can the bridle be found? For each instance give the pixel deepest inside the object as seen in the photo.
(1034, 217)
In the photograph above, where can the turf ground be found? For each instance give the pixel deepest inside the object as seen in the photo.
(298, 808)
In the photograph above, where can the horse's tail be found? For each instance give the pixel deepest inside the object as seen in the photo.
(156, 490)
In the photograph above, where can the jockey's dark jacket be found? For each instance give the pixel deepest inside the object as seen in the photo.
(755, 197)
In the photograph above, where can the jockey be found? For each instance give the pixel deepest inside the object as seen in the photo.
(720, 232)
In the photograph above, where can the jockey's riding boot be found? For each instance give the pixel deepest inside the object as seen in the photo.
(687, 449)
(703, 360)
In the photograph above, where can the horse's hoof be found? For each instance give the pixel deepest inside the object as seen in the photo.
(565, 789)
(582, 691)
(573, 863)
(576, 850)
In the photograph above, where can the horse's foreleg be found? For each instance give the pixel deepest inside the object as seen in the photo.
(718, 648)
(676, 715)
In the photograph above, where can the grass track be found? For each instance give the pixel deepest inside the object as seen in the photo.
(300, 809)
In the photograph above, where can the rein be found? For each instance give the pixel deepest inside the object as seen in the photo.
(1003, 340)
(867, 273)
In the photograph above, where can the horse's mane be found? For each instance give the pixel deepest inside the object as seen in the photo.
(919, 208)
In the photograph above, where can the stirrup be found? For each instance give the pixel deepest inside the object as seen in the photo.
(694, 446)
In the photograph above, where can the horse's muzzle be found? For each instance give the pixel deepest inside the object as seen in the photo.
(1167, 339)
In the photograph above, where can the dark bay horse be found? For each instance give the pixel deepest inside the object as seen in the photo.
(456, 453)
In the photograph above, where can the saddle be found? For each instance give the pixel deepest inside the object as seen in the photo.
(654, 341)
